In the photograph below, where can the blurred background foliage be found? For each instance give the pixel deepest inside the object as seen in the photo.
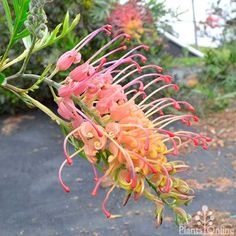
(218, 80)
(215, 86)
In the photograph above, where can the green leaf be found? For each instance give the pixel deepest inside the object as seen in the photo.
(8, 15)
(21, 9)
(21, 12)
(24, 33)
(53, 34)
(66, 23)
(16, 7)
(74, 22)
(52, 37)
(66, 27)
(2, 78)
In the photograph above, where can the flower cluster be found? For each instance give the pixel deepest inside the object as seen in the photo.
(119, 127)
(130, 18)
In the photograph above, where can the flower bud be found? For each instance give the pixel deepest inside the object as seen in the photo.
(67, 59)
(159, 214)
(181, 216)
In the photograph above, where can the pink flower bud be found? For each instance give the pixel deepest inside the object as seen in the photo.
(67, 59)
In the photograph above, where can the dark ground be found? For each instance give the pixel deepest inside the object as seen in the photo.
(32, 203)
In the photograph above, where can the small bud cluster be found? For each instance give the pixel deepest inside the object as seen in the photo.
(37, 19)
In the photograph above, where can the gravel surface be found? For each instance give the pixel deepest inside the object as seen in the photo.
(32, 203)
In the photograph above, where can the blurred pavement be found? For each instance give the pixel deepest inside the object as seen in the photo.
(32, 202)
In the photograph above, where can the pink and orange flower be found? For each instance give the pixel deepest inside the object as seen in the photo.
(130, 18)
(124, 130)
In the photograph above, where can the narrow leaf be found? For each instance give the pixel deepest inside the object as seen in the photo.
(71, 27)
(22, 34)
(16, 7)
(22, 14)
(54, 33)
(8, 15)
(66, 23)
(75, 22)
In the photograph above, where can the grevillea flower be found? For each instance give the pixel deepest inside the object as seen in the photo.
(130, 18)
(122, 129)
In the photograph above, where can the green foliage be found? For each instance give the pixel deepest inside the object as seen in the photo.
(24, 17)
(220, 68)
(218, 79)
(9, 102)
(16, 27)
(187, 61)
(21, 13)
(101, 10)
(157, 8)
(8, 15)
(2, 78)
(51, 37)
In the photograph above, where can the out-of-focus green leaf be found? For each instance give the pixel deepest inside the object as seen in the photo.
(8, 15)
(2, 78)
